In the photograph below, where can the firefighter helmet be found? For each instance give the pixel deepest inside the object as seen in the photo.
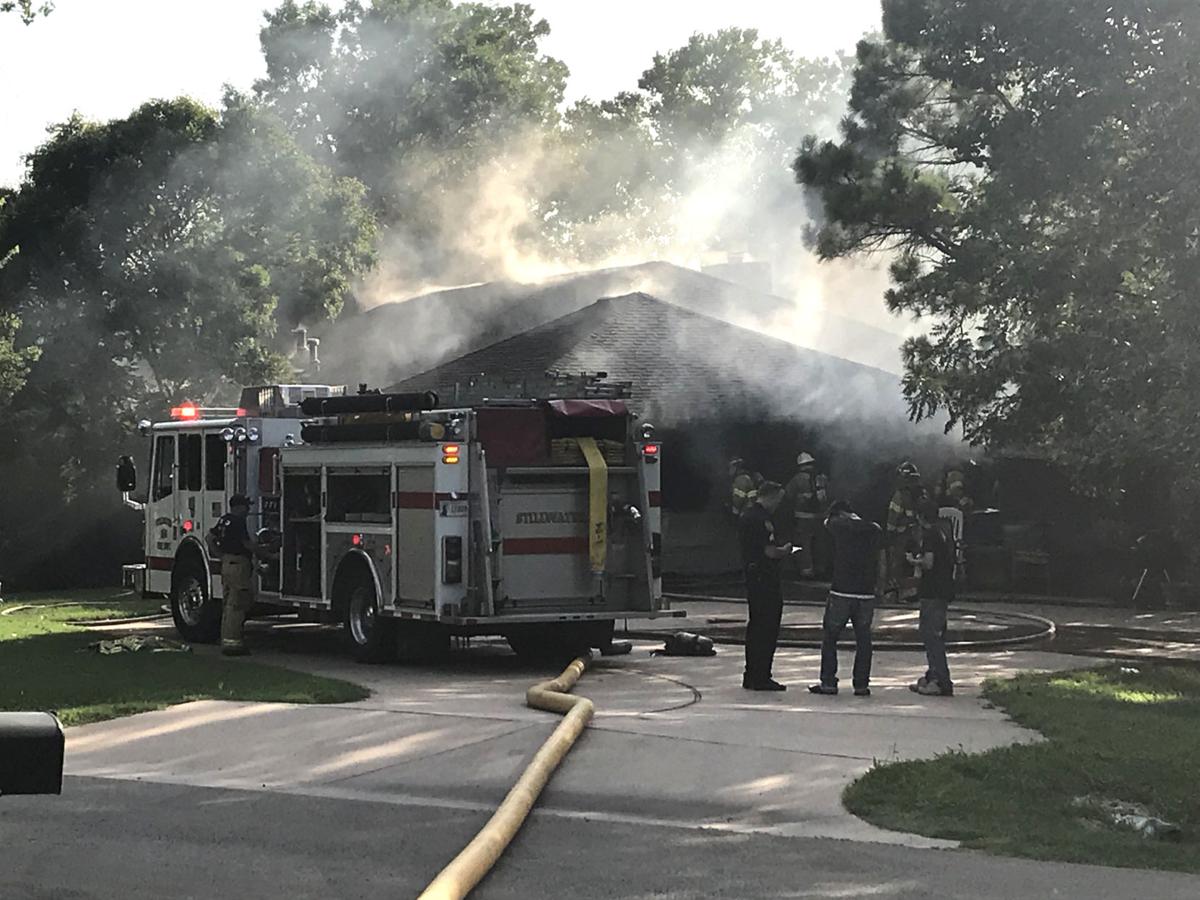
(805, 459)
(908, 472)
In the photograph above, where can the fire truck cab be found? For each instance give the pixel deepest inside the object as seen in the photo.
(409, 522)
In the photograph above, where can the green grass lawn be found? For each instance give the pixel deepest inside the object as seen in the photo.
(44, 665)
(1127, 733)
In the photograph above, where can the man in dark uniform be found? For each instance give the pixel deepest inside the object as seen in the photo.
(236, 548)
(937, 593)
(903, 533)
(761, 557)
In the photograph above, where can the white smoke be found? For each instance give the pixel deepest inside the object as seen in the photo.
(497, 226)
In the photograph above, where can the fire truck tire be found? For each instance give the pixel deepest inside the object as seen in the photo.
(197, 616)
(372, 637)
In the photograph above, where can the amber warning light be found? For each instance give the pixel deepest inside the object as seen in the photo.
(450, 453)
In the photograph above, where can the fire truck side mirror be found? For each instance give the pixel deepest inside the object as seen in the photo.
(126, 475)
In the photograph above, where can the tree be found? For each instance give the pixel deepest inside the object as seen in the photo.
(1023, 161)
(182, 239)
(28, 10)
(717, 83)
(412, 97)
(14, 361)
(159, 256)
(701, 152)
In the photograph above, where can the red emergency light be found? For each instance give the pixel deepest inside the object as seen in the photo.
(650, 449)
(191, 412)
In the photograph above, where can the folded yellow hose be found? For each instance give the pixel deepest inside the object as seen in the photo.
(468, 868)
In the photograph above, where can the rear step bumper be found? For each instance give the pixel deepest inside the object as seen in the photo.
(530, 618)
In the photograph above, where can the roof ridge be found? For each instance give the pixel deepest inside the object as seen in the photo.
(709, 318)
(536, 330)
(593, 315)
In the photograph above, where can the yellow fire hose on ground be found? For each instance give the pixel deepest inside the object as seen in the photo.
(476, 859)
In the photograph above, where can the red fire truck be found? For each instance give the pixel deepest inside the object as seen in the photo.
(535, 519)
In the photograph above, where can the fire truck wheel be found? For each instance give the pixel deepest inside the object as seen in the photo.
(197, 615)
(372, 637)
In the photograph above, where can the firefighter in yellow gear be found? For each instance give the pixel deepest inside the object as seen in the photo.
(806, 498)
(743, 487)
(953, 490)
(903, 533)
(232, 539)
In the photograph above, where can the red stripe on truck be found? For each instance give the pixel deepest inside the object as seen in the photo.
(545, 546)
(419, 499)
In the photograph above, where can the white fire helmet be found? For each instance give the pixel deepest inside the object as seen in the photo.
(805, 459)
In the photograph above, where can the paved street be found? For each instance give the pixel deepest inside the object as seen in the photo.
(685, 786)
(115, 840)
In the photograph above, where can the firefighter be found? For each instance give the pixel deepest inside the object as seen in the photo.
(743, 486)
(903, 532)
(236, 548)
(761, 560)
(953, 489)
(805, 497)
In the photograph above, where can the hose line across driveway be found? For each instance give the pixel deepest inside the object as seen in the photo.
(476, 859)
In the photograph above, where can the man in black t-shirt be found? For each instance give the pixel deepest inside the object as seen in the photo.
(761, 557)
(856, 544)
(236, 547)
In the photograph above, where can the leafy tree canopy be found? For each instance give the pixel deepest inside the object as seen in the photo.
(177, 240)
(718, 119)
(1027, 163)
(416, 86)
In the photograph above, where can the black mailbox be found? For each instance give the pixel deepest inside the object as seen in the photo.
(31, 753)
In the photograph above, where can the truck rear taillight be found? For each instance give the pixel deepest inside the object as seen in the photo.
(450, 453)
(452, 554)
(650, 452)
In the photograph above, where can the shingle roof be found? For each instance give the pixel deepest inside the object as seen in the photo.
(397, 340)
(680, 363)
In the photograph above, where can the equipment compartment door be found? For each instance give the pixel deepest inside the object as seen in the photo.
(544, 521)
(416, 553)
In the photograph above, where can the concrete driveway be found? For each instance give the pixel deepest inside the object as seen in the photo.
(683, 781)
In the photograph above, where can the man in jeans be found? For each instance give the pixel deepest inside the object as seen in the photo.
(937, 593)
(851, 598)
